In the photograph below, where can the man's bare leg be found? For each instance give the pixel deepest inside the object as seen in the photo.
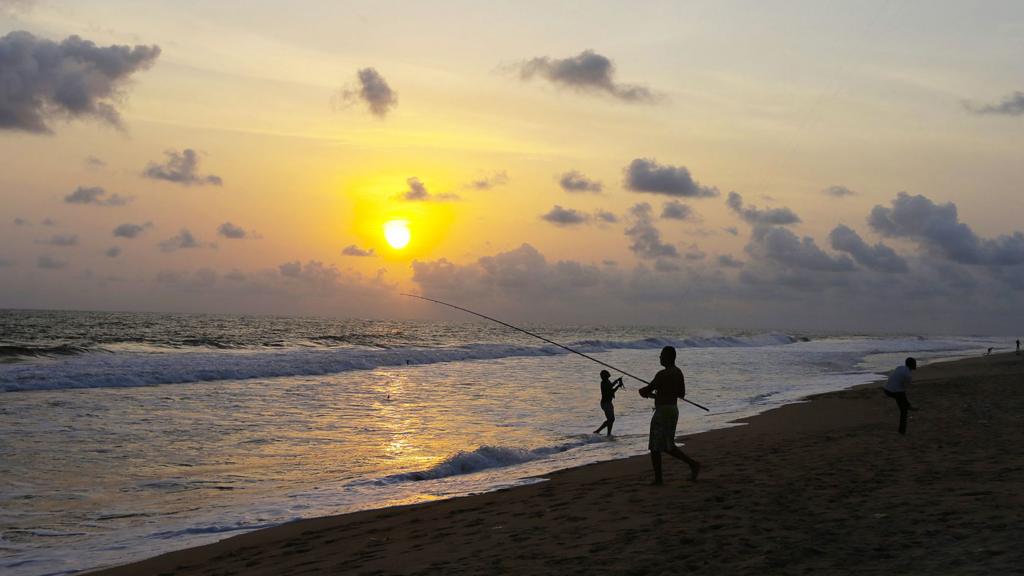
(694, 465)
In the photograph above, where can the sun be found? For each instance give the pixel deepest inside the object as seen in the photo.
(396, 232)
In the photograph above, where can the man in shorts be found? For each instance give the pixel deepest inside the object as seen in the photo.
(666, 388)
(608, 389)
(896, 388)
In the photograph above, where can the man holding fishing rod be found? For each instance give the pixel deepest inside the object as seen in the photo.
(666, 388)
(608, 389)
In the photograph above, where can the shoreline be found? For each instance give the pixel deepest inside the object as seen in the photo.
(587, 516)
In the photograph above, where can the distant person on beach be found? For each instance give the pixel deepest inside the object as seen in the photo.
(667, 387)
(989, 352)
(1018, 346)
(896, 388)
(608, 389)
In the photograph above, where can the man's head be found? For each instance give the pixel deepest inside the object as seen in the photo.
(668, 356)
(605, 375)
(911, 363)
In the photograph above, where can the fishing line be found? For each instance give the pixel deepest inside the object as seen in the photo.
(552, 342)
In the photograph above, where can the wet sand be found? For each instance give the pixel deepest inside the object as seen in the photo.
(821, 487)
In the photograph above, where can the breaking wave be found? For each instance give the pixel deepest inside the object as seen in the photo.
(128, 369)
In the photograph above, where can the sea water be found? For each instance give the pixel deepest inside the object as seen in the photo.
(124, 435)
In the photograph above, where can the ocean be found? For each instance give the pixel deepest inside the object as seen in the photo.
(124, 435)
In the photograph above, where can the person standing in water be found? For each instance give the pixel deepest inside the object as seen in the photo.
(896, 388)
(608, 389)
(666, 388)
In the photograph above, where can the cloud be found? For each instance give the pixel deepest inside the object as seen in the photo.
(46, 262)
(200, 280)
(937, 229)
(727, 261)
(732, 231)
(879, 257)
(838, 192)
(675, 210)
(565, 216)
(21, 222)
(183, 241)
(373, 90)
(417, 192)
(48, 222)
(129, 230)
(62, 240)
(353, 250)
(181, 168)
(784, 247)
(113, 252)
(693, 252)
(95, 196)
(94, 162)
(575, 181)
(1012, 105)
(229, 230)
(646, 239)
(606, 216)
(44, 80)
(587, 72)
(6, 263)
(488, 182)
(772, 217)
(646, 175)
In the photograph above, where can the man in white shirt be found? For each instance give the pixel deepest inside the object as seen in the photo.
(896, 388)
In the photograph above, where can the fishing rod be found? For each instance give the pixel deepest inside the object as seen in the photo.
(552, 342)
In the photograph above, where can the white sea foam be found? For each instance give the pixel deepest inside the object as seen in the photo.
(127, 369)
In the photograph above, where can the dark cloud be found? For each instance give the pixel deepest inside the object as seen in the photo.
(693, 252)
(938, 229)
(646, 175)
(290, 269)
(181, 168)
(784, 247)
(353, 250)
(488, 182)
(1012, 105)
(372, 90)
(565, 216)
(606, 216)
(576, 181)
(113, 252)
(43, 80)
(230, 231)
(675, 210)
(879, 257)
(772, 217)
(646, 239)
(588, 71)
(47, 262)
(185, 240)
(21, 222)
(62, 240)
(838, 192)
(727, 261)
(417, 192)
(129, 230)
(96, 196)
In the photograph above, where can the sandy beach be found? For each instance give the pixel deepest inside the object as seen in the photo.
(825, 486)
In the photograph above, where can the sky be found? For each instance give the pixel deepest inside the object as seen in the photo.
(824, 165)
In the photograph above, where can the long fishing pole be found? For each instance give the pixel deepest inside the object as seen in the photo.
(552, 342)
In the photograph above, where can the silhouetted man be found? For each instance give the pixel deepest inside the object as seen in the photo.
(896, 388)
(1018, 346)
(608, 389)
(666, 388)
